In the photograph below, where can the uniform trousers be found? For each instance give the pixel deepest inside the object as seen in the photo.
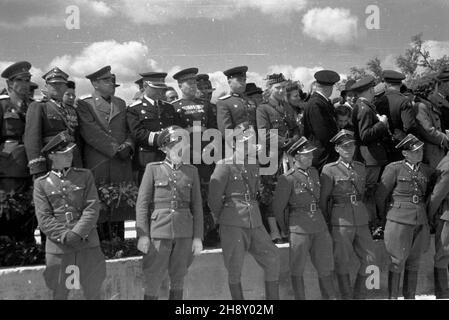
(237, 241)
(92, 272)
(352, 239)
(173, 255)
(405, 244)
(318, 245)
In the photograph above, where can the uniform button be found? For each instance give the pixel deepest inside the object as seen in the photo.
(66, 206)
(171, 210)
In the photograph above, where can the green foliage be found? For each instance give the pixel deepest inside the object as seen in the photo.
(114, 195)
(14, 204)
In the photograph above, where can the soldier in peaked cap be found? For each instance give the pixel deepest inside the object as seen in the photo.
(407, 183)
(139, 94)
(232, 199)
(438, 214)
(233, 109)
(296, 206)
(254, 94)
(342, 192)
(67, 208)
(399, 110)
(108, 144)
(204, 87)
(205, 90)
(440, 96)
(278, 118)
(147, 117)
(436, 142)
(196, 115)
(14, 172)
(371, 134)
(175, 230)
(48, 117)
(319, 118)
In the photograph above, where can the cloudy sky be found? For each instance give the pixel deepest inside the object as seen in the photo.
(297, 37)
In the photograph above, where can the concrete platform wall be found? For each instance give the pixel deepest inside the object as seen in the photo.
(206, 280)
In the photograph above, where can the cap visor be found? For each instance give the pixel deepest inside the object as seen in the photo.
(418, 146)
(308, 150)
(157, 86)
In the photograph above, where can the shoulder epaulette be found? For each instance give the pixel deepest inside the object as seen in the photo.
(155, 163)
(87, 96)
(4, 96)
(331, 164)
(44, 176)
(225, 97)
(80, 169)
(135, 103)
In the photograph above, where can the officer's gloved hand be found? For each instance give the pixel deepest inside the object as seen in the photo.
(72, 239)
(197, 246)
(143, 244)
(124, 151)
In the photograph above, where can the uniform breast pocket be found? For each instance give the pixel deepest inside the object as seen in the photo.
(186, 190)
(404, 183)
(161, 188)
(55, 121)
(13, 123)
(147, 116)
(56, 198)
(77, 196)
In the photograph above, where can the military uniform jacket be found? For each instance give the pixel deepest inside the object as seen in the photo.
(195, 110)
(339, 186)
(441, 102)
(145, 119)
(232, 194)
(279, 116)
(401, 115)
(13, 159)
(57, 194)
(44, 120)
(370, 133)
(403, 192)
(169, 203)
(103, 128)
(439, 199)
(298, 192)
(320, 125)
(233, 110)
(432, 135)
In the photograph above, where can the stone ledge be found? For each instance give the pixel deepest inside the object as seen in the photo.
(206, 279)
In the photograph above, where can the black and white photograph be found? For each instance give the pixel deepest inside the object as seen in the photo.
(224, 150)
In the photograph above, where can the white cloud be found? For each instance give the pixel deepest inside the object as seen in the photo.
(165, 11)
(330, 24)
(51, 13)
(437, 49)
(127, 60)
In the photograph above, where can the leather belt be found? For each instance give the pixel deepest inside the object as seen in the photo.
(353, 199)
(312, 207)
(175, 204)
(245, 197)
(413, 199)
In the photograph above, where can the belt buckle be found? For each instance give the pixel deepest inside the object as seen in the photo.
(353, 198)
(415, 199)
(247, 197)
(313, 207)
(174, 204)
(69, 217)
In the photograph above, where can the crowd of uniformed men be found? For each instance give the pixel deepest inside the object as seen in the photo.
(371, 165)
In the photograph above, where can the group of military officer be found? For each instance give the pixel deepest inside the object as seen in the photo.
(330, 186)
